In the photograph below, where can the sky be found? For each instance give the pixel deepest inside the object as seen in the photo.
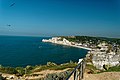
(60, 17)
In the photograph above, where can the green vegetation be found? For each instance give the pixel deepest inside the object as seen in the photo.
(114, 69)
(91, 69)
(58, 76)
(19, 71)
(53, 66)
(106, 67)
(9, 70)
(1, 78)
(93, 40)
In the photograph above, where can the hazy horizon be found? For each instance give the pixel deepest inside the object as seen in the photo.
(56, 36)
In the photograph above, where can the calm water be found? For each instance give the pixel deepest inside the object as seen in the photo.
(22, 51)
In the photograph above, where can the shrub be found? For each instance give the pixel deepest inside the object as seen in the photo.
(51, 64)
(8, 70)
(115, 68)
(58, 76)
(106, 67)
(20, 71)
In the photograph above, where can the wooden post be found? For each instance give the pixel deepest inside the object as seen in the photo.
(78, 72)
(84, 64)
(75, 75)
(81, 71)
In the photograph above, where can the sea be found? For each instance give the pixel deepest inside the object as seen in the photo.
(25, 50)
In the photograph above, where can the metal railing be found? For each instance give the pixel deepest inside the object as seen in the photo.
(78, 72)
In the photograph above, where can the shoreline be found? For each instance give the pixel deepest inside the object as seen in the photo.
(74, 46)
(63, 43)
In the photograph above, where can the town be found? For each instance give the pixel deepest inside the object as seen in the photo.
(104, 52)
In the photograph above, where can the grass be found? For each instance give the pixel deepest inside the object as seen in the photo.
(91, 69)
(94, 70)
(114, 69)
(52, 66)
(55, 67)
(30, 69)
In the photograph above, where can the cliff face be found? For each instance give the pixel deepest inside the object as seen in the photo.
(102, 57)
(106, 52)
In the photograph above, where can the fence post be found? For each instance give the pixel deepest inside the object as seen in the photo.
(84, 64)
(78, 71)
(74, 75)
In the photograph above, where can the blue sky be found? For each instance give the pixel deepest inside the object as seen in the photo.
(60, 17)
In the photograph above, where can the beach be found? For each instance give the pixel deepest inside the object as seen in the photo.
(56, 40)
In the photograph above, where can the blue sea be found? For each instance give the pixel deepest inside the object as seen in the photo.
(22, 51)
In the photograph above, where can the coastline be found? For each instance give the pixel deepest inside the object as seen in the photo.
(75, 46)
(81, 47)
(56, 40)
(22, 56)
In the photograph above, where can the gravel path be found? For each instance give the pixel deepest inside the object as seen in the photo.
(103, 76)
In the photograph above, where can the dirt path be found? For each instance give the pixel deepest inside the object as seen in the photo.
(37, 75)
(100, 76)
(103, 76)
(42, 74)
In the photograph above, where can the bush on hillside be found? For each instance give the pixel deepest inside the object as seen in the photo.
(58, 76)
(115, 69)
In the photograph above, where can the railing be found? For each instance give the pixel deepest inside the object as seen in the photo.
(78, 72)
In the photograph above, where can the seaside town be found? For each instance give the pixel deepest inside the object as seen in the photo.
(103, 53)
(59, 39)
